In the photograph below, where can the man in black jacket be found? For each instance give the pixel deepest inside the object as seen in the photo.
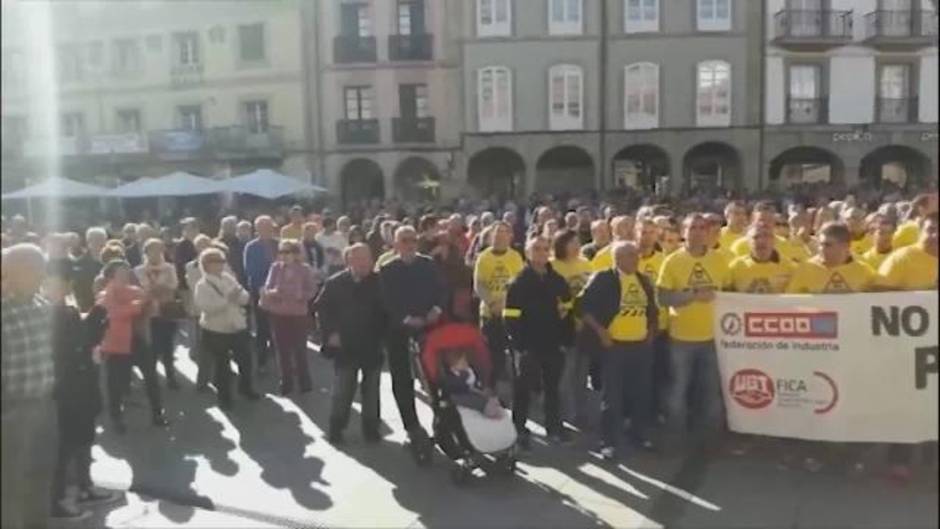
(352, 317)
(619, 305)
(414, 299)
(538, 319)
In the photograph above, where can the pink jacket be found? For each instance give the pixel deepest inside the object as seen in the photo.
(289, 289)
(123, 305)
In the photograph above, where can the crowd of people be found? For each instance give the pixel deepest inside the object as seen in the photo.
(574, 298)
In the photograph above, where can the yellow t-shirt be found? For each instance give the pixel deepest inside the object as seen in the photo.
(910, 268)
(493, 272)
(794, 249)
(860, 246)
(629, 325)
(743, 247)
(576, 273)
(681, 271)
(727, 238)
(603, 260)
(812, 277)
(771, 277)
(292, 232)
(907, 234)
(384, 258)
(650, 266)
(874, 258)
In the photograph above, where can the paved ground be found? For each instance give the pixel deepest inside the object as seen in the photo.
(267, 464)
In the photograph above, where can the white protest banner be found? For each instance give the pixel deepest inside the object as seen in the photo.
(850, 367)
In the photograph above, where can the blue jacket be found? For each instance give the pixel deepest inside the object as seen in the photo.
(258, 259)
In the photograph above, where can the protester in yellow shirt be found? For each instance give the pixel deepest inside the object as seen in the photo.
(764, 271)
(909, 232)
(765, 213)
(622, 226)
(834, 270)
(600, 238)
(799, 245)
(914, 267)
(736, 228)
(714, 236)
(882, 236)
(687, 284)
(295, 228)
(619, 307)
(670, 239)
(861, 241)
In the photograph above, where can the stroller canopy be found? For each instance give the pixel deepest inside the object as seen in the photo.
(451, 336)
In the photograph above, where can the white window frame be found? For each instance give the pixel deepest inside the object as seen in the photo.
(496, 28)
(74, 121)
(642, 25)
(564, 120)
(119, 115)
(496, 122)
(193, 53)
(707, 19)
(241, 43)
(183, 122)
(133, 56)
(641, 119)
(252, 110)
(572, 22)
(712, 119)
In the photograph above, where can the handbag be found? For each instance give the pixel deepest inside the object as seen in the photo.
(173, 309)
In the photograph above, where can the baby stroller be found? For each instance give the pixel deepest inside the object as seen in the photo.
(466, 436)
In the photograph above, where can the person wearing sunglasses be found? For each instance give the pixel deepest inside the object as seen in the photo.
(286, 295)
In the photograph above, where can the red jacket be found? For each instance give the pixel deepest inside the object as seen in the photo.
(124, 304)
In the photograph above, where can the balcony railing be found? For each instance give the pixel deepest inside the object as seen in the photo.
(128, 143)
(186, 75)
(805, 27)
(410, 47)
(901, 27)
(357, 131)
(897, 110)
(347, 49)
(807, 110)
(413, 130)
(240, 141)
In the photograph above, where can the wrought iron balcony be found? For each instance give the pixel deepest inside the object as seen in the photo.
(812, 29)
(349, 49)
(357, 131)
(180, 144)
(186, 75)
(410, 47)
(897, 110)
(413, 130)
(901, 29)
(807, 110)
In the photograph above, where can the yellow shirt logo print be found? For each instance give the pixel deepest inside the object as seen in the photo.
(699, 277)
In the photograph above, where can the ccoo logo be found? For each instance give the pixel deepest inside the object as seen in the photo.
(731, 324)
(752, 389)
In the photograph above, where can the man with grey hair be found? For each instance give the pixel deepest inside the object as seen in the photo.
(131, 247)
(619, 305)
(28, 375)
(414, 299)
(86, 266)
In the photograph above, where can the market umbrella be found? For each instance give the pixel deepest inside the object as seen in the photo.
(58, 187)
(268, 184)
(176, 184)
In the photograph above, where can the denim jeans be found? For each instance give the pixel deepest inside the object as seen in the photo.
(693, 367)
(574, 391)
(628, 375)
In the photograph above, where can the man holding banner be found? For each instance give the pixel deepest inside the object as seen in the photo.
(687, 284)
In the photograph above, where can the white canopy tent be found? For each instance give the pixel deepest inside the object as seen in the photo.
(58, 187)
(176, 184)
(268, 184)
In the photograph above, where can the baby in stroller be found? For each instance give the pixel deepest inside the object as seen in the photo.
(470, 425)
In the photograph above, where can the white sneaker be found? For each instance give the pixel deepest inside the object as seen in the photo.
(608, 452)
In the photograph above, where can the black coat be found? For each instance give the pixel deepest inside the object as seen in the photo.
(533, 312)
(77, 392)
(355, 310)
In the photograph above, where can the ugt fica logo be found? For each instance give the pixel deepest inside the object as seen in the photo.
(752, 389)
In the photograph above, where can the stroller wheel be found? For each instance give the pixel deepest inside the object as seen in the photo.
(507, 465)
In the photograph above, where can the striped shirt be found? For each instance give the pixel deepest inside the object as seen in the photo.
(28, 366)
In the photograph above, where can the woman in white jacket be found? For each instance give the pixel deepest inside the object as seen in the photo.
(220, 301)
(193, 274)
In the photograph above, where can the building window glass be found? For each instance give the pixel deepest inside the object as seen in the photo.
(251, 43)
(565, 17)
(71, 66)
(713, 107)
(359, 102)
(190, 117)
(641, 96)
(804, 100)
(73, 125)
(641, 16)
(128, 121)
(126, 56)
(494, 89)
(494, 18)
(714, 15)
(565, 98)
(256, 116)
(895, 102)
(187, 48)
